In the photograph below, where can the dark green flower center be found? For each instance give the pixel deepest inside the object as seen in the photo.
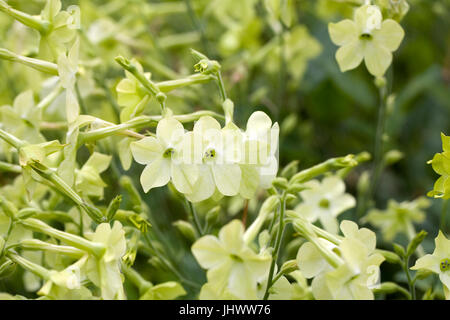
(444, 265)
(210, 154)
(324, 203)
(365, 36)
(168, 153)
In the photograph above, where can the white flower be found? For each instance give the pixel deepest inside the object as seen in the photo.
(163, 158)
(324, 201)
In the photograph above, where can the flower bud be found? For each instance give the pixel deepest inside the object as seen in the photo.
(212, 215)
(289, 170)
(186, 229)
(7, 268)
(289, 266)
(415, 242)
(392, 157)
(8, 208)
(280, 183)
(113, 207)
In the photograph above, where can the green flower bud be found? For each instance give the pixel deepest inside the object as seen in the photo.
(8, 208)
(289, 170)
(392, 157)
(399, 250)
(280, 183)
(113, 207)
(415, 242)
(7, 268)
(212, 215)
(186, 229)
(423, 273)
(289, 266)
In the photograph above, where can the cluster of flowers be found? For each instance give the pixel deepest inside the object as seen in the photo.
(209, 157)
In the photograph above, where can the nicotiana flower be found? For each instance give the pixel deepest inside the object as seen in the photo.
(66, 284)
(324, 201)
(259, 163)
(367, 38)
(67, 70)
(438, 262)
(358, 269)
(399, 217)
(165, 158)
(22, 120)
(441, 165)
(88, 180)
(131, 94)
(231, 264)
(104, 272)
(216, 153)
(63, 25)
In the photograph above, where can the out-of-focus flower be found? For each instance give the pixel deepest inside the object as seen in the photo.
(398, 217)
(438, 262)
(441, 165)
(324, 201)
(232, 265)
(367, 38)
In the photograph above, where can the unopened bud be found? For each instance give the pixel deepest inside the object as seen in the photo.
(392, 157)
(186, 229)
(289, 266)
(289, 170)
(113, 207)
(280, 183)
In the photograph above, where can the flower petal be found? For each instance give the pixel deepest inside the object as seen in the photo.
(146, 150)
(350, 55)
(209, 252)
(377, 59)
(390, 35)
(343, 32)
(155, 174)
(169, 130)
(227, 178)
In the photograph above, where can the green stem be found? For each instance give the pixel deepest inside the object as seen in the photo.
(410, 280)
(30, 21)
(134, 276)
(9, 167)
(37, 64)
(28, 265)
(94, 248)
(444, 215)
(169, 85)
(379, 139)
(34, 244)
(328, 165)
(137, 123)
(195, 218)
(277, 247)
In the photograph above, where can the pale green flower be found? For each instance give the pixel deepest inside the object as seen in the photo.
(66, 284)
(394, 9)
(398, 217)
(131, 94)
(231, 264)
(367, 38)
(88, 180)
(441, 165)
(324, 201)
(259, 163)
(165, 158)
(299, 47)
(356, 274)
(63, 28)
(67, 70)
(22, 120)
(438, 262)
(216, 153)
(105, 272)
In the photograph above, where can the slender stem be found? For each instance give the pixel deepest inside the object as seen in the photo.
(379, 139)
(44, 103)
(9, 167)
(276, 250)
(28, 265)
(197, 25)
(444, 215)
(223, 93)
(195, 218)
(410, 280)
(96, 249)
(169, 85)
